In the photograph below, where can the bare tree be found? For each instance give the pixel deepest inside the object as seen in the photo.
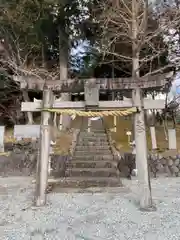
(138, 27)
(21, 70)
(151, 26)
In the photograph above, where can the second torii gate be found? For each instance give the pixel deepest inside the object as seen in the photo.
(92, 87)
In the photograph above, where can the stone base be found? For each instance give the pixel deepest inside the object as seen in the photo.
(148, 209)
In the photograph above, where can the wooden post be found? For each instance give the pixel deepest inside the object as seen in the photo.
(128, 133)
(115, 123)
(60, 122)
(49, 165)
(55, 114)
(89, 125)
(55, 120)
(43, 161)
(153, 137)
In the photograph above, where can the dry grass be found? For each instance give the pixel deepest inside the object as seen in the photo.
(64, 139)
(8, 136)
(63, 143)
(124, 125)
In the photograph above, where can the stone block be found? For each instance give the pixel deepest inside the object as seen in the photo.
(26, 131)
(153, 157)
(159, 166)
(174, 169)
(168, 171)
(173, 157)
(163, 161)
(176, 162)
(169, 162)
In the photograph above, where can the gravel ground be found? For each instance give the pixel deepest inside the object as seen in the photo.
(108, 215)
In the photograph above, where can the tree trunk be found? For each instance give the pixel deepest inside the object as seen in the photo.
(139, 124)
(63, 66)
(153, 113)
(43, 56)
(29, 114)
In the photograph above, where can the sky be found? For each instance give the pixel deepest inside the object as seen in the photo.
(174, 52)
(175, 89)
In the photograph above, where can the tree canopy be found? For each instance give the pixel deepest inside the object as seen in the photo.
(35, 34)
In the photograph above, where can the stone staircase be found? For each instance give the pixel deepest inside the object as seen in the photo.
(92, 164)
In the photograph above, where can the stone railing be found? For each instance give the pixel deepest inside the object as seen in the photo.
(74, 141)
(116, 154)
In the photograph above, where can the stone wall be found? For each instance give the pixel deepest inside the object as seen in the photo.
(22, 160)
(169, 165)
(159, 165)
(23, 156)
(166, 164)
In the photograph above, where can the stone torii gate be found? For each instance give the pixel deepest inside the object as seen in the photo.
(91, 88)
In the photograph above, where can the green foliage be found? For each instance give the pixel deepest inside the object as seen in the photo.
(32, 27)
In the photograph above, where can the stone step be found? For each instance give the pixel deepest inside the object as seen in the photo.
(90, 164)
(92, 148)
(99, 129)
(83, 182)
(93, 142)
(93, 137)
(91, 172)
(92, 153)
(93, 130)
(93, 134)
(108, 157)
(90, 144)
